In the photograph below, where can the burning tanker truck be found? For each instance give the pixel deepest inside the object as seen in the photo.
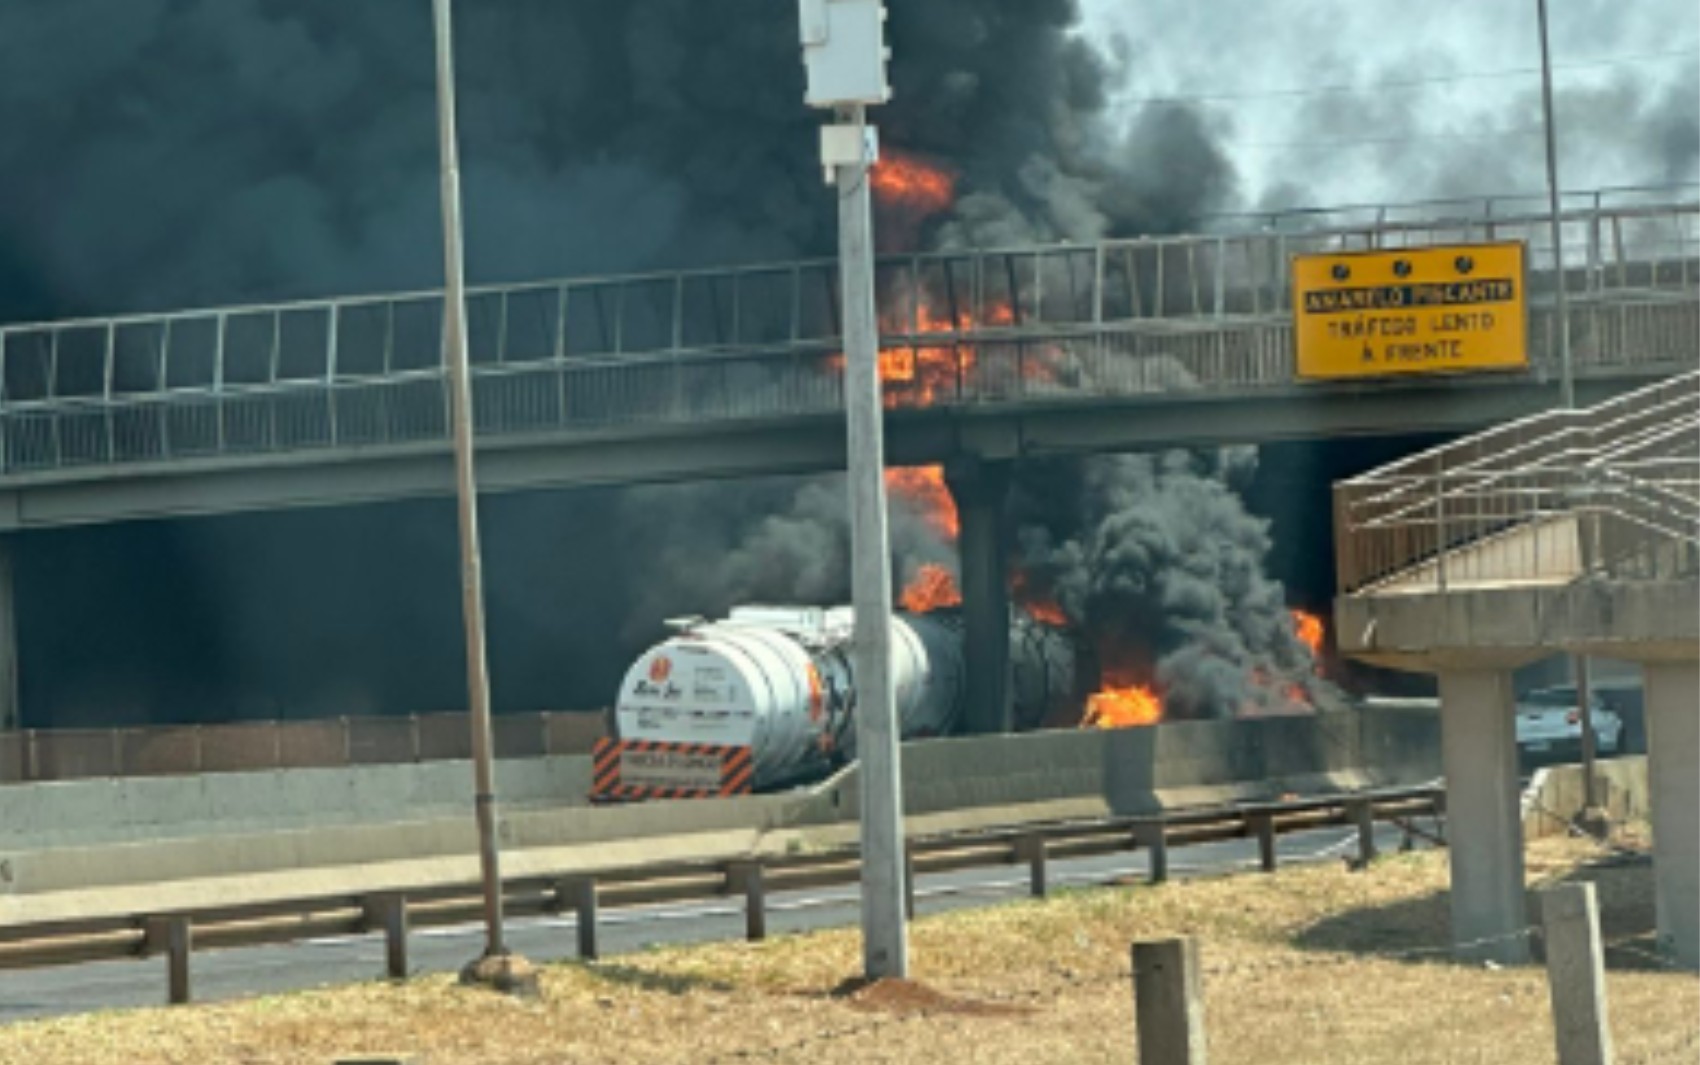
(767, 697)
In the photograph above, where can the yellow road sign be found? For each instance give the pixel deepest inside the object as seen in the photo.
(1440, 309)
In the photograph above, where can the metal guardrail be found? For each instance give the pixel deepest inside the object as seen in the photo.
(175, 934)
(1613, 490)
(1035, 324)
(1482, 208)
(34, 755)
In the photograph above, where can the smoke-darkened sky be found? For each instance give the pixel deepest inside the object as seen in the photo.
(165, 153)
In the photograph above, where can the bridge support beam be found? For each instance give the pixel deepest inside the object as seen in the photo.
(1671, 694)
(981, 491)
(1484, 829)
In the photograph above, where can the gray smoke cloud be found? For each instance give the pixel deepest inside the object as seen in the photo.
(706, 548)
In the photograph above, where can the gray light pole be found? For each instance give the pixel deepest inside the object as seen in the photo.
(845, 55)
(1567, 371)
(885, 933)
(466, 488)
(1567, 384)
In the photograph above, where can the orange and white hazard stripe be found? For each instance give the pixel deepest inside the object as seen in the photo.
(636, 770)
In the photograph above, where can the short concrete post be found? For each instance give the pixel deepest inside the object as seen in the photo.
(1263, 826)
(1152, 836)
(747, 877)
(1362, 814)
(1168, 1002)
(171, 936)
(387, 912)
(1033, 850)
(1576, 976)
(579, 893)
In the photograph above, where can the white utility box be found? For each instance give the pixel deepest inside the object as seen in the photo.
(844, 51)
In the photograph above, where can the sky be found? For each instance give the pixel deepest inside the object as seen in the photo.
(1628, 95)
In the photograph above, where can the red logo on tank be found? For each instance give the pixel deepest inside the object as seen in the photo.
(660, 669)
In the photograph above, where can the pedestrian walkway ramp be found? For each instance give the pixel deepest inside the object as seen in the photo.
(1574, 532)
(1612, 491)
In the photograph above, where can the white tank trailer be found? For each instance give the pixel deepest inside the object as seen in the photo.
(779, 681)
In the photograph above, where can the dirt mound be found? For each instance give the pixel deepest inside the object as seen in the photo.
(912, 998)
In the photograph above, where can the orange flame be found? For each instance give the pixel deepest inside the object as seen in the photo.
(923, 374)
(1040, 608)
(933, 588)
(924, 487)
(903, 180)
(1123, 707)
(1308, 628)
(1045, 611)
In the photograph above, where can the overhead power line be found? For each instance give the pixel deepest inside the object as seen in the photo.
(1405, 83)
(1360, 142)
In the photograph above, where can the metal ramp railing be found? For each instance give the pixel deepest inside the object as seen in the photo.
(1613, 490)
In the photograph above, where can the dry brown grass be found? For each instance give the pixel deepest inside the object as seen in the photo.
(1290, 978)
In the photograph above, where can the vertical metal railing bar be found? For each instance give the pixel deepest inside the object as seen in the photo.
(55, 419)
(272, 379)
(107, 371)
(1192, 277)
(331, 325)
(620, 315)
(1158, 297)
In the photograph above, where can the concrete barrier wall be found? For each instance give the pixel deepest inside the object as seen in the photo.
(89, 834)
(126, 809)
(1401, 745)
(1554, 795)
(1142, 770)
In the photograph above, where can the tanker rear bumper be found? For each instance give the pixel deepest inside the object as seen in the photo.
(638, 770)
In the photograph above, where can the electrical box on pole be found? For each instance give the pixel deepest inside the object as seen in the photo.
(845, 54)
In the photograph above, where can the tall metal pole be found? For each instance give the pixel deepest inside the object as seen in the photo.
(1566, 369)
(466, 488)
(885, 931)
(1590, 748)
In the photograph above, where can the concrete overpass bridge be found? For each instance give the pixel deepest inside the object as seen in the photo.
(992, 356)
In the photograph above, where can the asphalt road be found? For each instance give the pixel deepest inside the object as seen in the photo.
(248, 972)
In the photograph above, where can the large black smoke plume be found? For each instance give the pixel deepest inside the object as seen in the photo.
(1156, 557)
(162, 153)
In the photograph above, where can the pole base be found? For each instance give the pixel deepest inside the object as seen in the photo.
(508, 974)
(1595, 822)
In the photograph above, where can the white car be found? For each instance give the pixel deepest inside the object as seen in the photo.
(1549, 724)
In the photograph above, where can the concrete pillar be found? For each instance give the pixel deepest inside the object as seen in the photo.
(11, 714)
(981, 491)
(1484, 831)
(1671, 697)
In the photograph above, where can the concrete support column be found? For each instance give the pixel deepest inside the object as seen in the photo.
(1483, 828)
(981, 491)
(1672, 704)
(11, 714)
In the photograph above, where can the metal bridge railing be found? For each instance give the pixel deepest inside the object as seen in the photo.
(1613, 490)
(1044, 323)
